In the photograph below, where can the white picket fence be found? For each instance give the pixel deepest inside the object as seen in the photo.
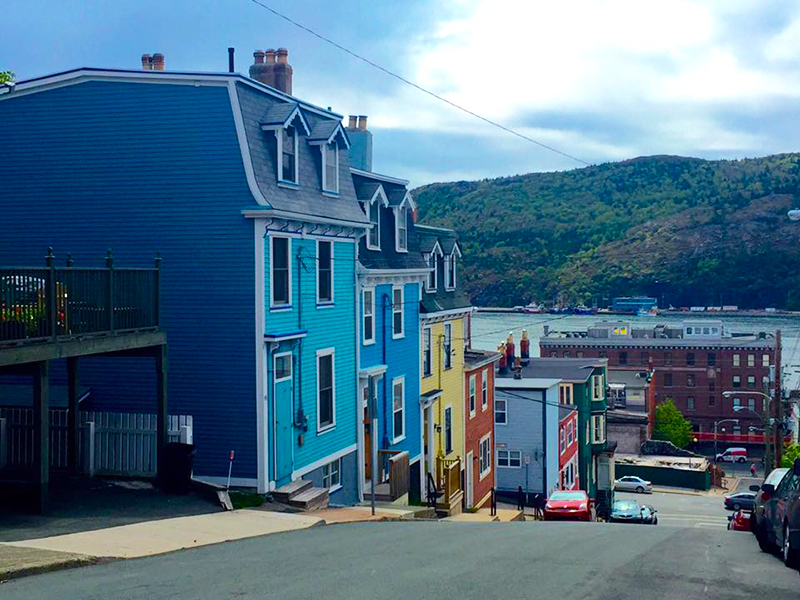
(121, 444)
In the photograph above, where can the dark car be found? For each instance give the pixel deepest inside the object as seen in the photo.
(626, 511)
(649, 515)
(779, 526)
(765, 495)
(740, 501)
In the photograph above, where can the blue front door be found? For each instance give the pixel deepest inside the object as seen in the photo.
(284, 390)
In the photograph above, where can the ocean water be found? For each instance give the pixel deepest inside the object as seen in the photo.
(490, 329)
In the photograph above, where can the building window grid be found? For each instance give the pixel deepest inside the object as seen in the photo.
(368, 326)
(485, 390)
(472, 394)
(397, 313)
(447, 346)
(324, 271)
(448, 430)
(427, 363)
(485, 456)
(331, 474)
(500, 414)
(398, 408)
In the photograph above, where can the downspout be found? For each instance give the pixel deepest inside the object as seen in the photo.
(384, 333)
(271, 386)
(301, 421)
(360, 449)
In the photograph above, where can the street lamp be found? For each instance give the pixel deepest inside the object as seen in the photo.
(716, 424)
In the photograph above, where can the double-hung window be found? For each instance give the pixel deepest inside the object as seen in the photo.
(765, 360)
(324, 271)
(570, 433)
(736, 360)
(432, 274)
(288, 155)
(751, 360)
(427, 363)
(397, 312)
(598, 429)
(331, 474)
(737, 381)
(485, 390)
(280, 263)
(562, 445)
(374, 235)
(368, 307)
(447, 346)
(485, 461)
(398, 408)
(401, 229)
(472, 394)
(448, 430)
(509, 458)
(500, 416)
(331, 172)
(326, 402)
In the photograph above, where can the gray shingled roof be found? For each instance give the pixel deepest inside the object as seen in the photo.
(395, 194)
(365, 189)
(442, 299)
(306, 198)
(277, 114)
(323, 130)
(568, 369)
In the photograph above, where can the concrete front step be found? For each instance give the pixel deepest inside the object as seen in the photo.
(290, 490)
(310, 499)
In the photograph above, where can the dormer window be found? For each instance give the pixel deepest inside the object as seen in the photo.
(450, 272)
(330, 174)
(432, 275)
(401, 231)
(374, 239)
(401, 210)
(288, 172)
(434, 260)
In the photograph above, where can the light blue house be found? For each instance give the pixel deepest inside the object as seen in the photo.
(391, 271)
(247, 193)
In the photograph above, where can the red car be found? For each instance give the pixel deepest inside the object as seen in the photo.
(568, 506)
(739, 521)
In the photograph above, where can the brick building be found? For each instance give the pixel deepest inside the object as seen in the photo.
(692, 364)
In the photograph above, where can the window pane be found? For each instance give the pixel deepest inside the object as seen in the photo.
(288, 154)
(374, 218)
(325, 382)
(331, 179)
(398, 409)
(283, 367)
(325, 263)
(280, 270)
(448, 430)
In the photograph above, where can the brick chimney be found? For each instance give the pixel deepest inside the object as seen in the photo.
(261, 71)
(360, 153)
(158, 62)
(283, 72)
(147, 62)
(273, 69)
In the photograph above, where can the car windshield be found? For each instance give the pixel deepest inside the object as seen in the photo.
(625, 505)
(776, 476)
(566, 496)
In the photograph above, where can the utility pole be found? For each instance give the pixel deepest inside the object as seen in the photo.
(777, 430)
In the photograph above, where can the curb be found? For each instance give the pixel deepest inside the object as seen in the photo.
(70, 563)
(686, 492)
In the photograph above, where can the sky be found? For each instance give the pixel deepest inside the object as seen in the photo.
(601, 80)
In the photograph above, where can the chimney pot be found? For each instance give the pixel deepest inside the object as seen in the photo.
(147, 64)
(283, 56)
(258, 55)
(158, 62)
(353, 122)
(362, 122)
(270, 54)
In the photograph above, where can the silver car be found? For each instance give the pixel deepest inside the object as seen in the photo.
(631, 483)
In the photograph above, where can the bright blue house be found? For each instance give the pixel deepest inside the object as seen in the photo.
(391, 272)
(247, 193)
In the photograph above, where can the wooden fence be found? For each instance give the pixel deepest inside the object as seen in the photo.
(124, 443)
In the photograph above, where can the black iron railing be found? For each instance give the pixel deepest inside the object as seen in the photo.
(54, 303)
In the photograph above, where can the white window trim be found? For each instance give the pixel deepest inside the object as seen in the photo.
(338, 486)
(484, 390)
(401, 380)
(450, 282)
(570, 433)
(275, 367)
(448, 326)
(324, 149)
(402, 334)
(598, 419)
(272, 304)
(325, 303)
(380, 198)
(279, 137)
(332, 353)
(427, 330)
(444, 430)
(472, 395)
(487, 438)
(505, 412)
(562, 440)
(367, 341)
(431, 258)
(510, 452)
(400, 215)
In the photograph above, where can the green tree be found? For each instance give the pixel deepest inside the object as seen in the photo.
(6, 76)
(671, 425)
(790, 454)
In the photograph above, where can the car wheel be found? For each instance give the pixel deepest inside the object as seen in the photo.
(789, 553)
(736, 506)
(742, 460)
(639, 490)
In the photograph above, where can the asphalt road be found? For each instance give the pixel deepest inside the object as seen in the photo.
(441, 560)
(684, 510)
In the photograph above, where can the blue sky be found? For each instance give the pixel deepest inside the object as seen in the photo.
(600, 79)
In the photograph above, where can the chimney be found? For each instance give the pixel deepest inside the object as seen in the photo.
(259, 70)
(158, 62)
(147, 62)
(525, 347)
(283, 72)
(360, 153)
(503, 366)
(510, 348)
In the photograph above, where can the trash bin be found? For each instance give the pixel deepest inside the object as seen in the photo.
(177, 475)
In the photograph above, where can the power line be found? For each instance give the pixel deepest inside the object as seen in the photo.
(414, 85)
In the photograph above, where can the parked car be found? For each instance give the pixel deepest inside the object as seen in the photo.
(740, 500)
(649, 515)
(568, 506)
(626, 511)
(631, 483)
(738, 455)
(739, 521)
(779, 525)
(765, 493)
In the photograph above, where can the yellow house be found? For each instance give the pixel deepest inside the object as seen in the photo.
(444, 322)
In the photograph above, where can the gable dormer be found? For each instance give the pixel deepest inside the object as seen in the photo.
(374, 200)
(402, 205)
(287, 122)
(450, 266)
(331, 138)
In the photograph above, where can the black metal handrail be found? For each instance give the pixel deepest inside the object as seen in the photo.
(51, 303)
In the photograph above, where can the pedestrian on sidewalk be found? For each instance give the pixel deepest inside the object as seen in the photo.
(753, 470)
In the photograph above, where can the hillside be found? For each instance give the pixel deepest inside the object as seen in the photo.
(690, 230)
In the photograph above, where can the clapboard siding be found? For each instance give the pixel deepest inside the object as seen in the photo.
(140, 168)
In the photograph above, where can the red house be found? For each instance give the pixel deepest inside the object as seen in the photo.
(568, 447)
(479, 464)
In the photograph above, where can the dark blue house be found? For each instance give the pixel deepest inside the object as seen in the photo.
(246, 191)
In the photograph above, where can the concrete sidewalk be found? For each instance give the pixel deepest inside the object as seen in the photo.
(19, 562)
(167, 535)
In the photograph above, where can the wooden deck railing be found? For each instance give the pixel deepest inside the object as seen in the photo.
(448, 472)
(50, 303)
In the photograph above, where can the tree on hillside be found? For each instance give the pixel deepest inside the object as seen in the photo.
(6, 76)
(791, 452)
(671, 425)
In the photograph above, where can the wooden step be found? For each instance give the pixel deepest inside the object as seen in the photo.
(290, 490)
(311, 499)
